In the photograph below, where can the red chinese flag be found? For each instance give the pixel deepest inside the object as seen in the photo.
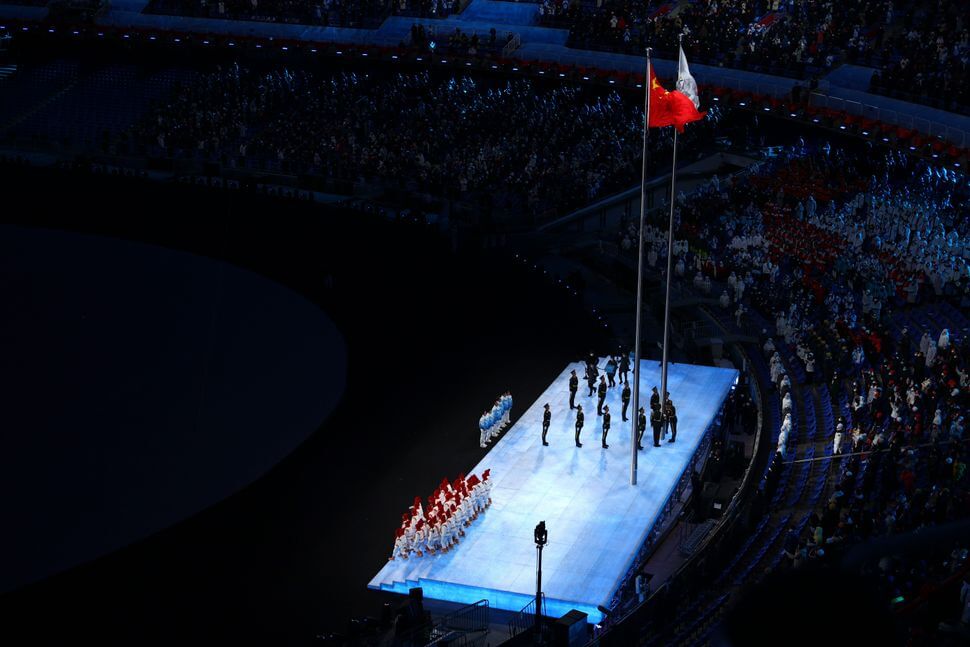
(670, 108)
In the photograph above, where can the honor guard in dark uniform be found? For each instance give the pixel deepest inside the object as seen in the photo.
(580, 419)
(546, 418)
(626, 399)
(641, 427)
(601, 392)
(606, 425)
(573, 387)
(670, 418)
(655, 400)
(624, 368)
(656, 421)
(591, 379)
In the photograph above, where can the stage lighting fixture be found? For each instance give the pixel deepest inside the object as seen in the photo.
(541, 534)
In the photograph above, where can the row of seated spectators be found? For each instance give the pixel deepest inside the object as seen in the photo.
(337, 13)
(837, 247)
(510, 144)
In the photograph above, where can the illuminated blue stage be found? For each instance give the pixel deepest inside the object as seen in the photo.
(597, 521)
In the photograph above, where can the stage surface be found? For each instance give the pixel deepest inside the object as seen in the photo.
(596, 520)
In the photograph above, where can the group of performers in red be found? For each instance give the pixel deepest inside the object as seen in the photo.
(437, 526)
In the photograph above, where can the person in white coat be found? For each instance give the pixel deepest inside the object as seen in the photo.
(837, 441)
(931, 354)
(944, 342)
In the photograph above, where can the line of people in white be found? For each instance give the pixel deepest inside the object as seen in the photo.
(783, 383)
(438, 526)
(495, 419)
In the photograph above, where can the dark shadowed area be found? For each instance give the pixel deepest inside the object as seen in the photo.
(432, 340)
(142, 385)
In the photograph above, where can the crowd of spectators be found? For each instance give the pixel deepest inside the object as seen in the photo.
(776, 35)
(368, 14)
(427, 8)
(926, 59)
(830, 251)
(841, 234)
(460, 42)
(507, 144)
(920, 50)
(337, 13)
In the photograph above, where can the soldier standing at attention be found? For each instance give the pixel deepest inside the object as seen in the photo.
(573, 386)
(546, 418)
(626, 399)
(601, 392)
(606, 425)
(656, 421)
(641, 427)
(580, 419)
(624, 368)
(670, 418)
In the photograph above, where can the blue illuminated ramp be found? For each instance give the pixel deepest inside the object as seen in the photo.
(596, 520)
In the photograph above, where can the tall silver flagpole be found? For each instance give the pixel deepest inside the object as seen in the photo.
(670, 265)
(670, 272)
(643, 214)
